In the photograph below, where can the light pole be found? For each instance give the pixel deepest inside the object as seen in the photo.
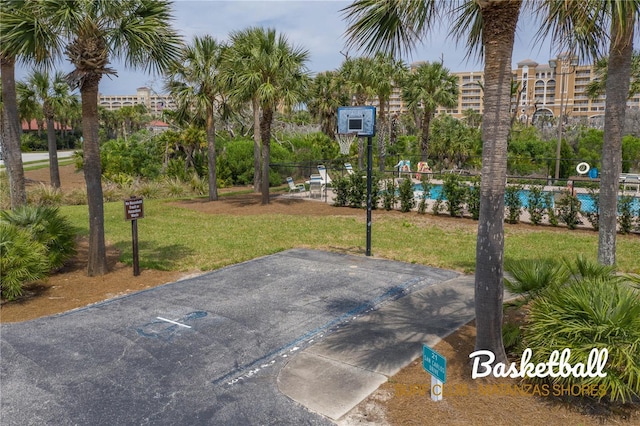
(562, 66)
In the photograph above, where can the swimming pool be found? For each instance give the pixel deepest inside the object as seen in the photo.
(587, 204)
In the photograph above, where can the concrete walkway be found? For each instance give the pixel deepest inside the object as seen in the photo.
(295, 338)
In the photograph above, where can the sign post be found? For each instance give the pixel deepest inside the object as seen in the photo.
(134, 210)
(436, 365)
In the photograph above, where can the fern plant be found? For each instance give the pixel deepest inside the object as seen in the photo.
(47, 227)
(22, 259)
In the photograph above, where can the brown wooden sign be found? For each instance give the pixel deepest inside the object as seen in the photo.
(133, 208)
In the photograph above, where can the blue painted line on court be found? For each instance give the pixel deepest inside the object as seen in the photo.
(393, 293)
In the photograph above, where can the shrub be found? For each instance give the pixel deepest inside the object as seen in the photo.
(590, 313)
(48, 228)
(22, 259)
(357, 192)
(529, 277)
(389, 195)
(341, 189)
(45, 195)
(625, 214)
(593, 216)
(473, 199)
(76, 197)
(426, 193)
(455, 194)
(405, 195)
(513, 202)
(568, 210)
(536, 204)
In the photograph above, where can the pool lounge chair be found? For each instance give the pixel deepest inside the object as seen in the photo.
(349, 168)
(295, 187)
(326, 179)
(630, 182)
(316, 186)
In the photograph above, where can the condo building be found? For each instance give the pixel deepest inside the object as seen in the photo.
(543, 91)
(154, 102)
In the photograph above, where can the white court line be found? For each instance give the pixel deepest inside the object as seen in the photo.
(173, 322)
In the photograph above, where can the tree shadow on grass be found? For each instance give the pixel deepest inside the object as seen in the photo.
(153, 256)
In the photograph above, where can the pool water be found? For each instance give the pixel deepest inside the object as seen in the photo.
(587, 204)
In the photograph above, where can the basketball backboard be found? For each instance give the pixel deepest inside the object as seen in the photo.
(357, 119)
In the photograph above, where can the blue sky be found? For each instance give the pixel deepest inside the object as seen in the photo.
(317, 26)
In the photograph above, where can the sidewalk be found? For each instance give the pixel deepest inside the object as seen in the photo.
(334, 375)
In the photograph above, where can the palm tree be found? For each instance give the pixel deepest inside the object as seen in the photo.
(263, 68)
(137, 31)
(52, 95)
(357, 74)
(325, 96)
(429, 86)
(385, 72)
(195, 84)
(591, 19)
(393, 26)
(597, 87)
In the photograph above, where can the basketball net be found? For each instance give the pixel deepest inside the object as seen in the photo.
(345, 140)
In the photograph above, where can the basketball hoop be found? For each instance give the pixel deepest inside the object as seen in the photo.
(345, 140)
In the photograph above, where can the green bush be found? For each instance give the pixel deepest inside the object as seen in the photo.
(625, 214)
(568, 210)
(536, 204)
(513, 203)
(405, 195)
(22, 259)
(48, 228)
(455, 193)
(590, 313)
(530, 277)
(341, 189)
(45, 195)
(593, 216)
(473, 199)
(357, 192)
(389, 195)
(426, 193)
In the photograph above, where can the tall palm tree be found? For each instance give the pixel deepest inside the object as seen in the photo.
(357, 74)
(623, 21)
(591, 19)
(426, 88)
(261, 67)
(392, 26)
(385, 73)
(52, 95)
(325, 96)
(597, 87)
(195, 85)
(137, 31)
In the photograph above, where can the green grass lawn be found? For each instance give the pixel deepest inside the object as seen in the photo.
(174, 238)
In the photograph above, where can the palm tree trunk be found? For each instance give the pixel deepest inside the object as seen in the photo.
(54, 173)
(11, 134)
(265, 134)
(500, 19)
(617, 90)
(211, 142)
(92, 175)
(256, 146)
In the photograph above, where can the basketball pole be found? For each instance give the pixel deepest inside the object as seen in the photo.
(369, 173)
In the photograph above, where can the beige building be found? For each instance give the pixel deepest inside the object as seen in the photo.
(542, 92)
(154, 102)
